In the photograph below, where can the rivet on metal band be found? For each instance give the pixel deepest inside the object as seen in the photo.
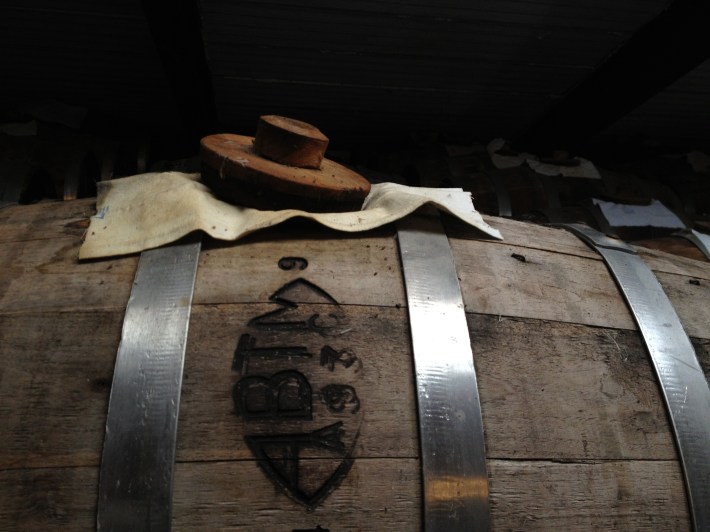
(135, 486)
(450, 424)
(682, 380)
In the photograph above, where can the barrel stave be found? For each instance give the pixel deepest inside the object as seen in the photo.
(575, 430)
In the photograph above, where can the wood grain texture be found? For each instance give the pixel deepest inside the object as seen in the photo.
(587, 496)
(549, 390)
(566, 287)
(45, 220)
(55, 379)
(675, 245)
(545, 285)
(379, 494)
(576, 434)
(561, 279)
(45, 274)
(236, 173)
(56, 419)
(553, 391)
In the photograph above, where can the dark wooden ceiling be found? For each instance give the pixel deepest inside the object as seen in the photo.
(362, 69)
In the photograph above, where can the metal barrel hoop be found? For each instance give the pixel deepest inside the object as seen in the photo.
(453, 453)
(683, 383)
(136, 475)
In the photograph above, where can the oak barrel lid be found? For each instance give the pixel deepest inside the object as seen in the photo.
(237, 172)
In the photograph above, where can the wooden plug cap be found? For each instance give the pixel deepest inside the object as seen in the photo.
(237, 174)
(290, 142)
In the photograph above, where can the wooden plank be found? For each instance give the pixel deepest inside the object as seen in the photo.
(695, 316)
(573, 391)
(379, 494)
(560, 280)
(587, 496)
(549, 390)
(334, 259)
(49, 499)
(47, 220)
(538, 284)
(382, 494)
(524, 234)
(672, 245)
(669, 263)
(381, 377)
(45, 275)
(542, 237)
(517, 233)
(702, 349)
(57, 369)
(50, 220)
(55, 377)
(220, 495)
(553, 286)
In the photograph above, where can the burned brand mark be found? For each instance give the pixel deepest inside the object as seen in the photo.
(246, 348)
(304, 447)
(339, 397)
(279, 455)
(286, 394)
(283, 318)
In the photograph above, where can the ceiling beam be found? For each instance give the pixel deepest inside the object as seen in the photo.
(661, 52)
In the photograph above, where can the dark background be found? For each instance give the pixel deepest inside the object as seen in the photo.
(548, 74)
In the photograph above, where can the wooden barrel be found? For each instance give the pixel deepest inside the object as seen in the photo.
(576, 432)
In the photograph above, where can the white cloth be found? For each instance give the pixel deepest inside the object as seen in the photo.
(149, 210)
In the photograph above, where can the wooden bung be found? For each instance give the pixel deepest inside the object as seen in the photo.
(282, 168)
(289, 141)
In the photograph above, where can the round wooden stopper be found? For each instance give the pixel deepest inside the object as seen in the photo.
(289, 141)
(237, 174)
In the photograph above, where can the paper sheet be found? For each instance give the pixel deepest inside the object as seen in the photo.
(150, 210)
(654, 215)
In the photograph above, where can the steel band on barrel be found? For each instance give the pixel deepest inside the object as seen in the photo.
(450, 425)
(685, 388)
(136, 477)
(701, 240)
